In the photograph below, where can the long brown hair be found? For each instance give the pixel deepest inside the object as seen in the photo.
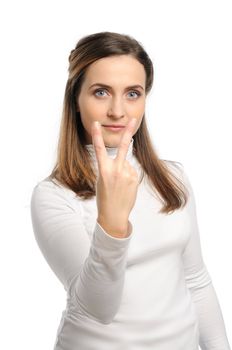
(73, 167)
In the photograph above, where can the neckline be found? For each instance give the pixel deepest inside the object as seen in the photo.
(111, 151)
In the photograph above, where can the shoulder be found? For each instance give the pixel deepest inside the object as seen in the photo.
(50, 192)
(174, 166)
(179, 170)
(52, 185)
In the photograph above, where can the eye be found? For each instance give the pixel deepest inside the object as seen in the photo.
(135, 92)
(99, 90)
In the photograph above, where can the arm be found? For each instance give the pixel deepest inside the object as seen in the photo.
(91, 271)
(211, 323)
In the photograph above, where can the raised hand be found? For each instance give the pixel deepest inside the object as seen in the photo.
(117, 183)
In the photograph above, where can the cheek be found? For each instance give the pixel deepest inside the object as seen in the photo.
(92, 108)
(136, 109)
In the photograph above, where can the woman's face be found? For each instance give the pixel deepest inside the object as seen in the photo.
(117, 96)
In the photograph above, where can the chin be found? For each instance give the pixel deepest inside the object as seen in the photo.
(111, 144)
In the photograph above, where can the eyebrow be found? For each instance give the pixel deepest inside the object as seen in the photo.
(109, 87)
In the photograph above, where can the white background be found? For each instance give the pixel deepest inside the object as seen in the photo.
(188, 112)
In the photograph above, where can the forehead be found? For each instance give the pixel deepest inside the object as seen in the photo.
(116, 69)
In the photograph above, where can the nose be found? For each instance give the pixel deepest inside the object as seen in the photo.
(116, 108)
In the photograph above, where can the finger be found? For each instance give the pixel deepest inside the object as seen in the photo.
(125, 141)
(98, 143)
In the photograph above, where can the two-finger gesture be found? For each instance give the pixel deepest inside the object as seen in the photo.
(117, 182)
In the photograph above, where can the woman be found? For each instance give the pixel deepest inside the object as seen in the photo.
(118, 225)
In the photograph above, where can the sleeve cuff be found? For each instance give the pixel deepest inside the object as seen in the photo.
(111, 239)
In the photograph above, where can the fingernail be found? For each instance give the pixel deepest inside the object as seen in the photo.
(96, 123)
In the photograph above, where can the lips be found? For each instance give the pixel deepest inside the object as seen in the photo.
(115, 126)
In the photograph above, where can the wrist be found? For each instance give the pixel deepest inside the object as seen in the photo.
(121, 231)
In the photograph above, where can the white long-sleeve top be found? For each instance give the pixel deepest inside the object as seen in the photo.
(150, 290)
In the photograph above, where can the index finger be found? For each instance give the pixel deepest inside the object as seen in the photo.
(98, 143)
(125, 141)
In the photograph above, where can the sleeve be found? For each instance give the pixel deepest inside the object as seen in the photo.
(211, 323)
(91, 270)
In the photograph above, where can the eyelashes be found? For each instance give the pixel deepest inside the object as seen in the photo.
(104, 90)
